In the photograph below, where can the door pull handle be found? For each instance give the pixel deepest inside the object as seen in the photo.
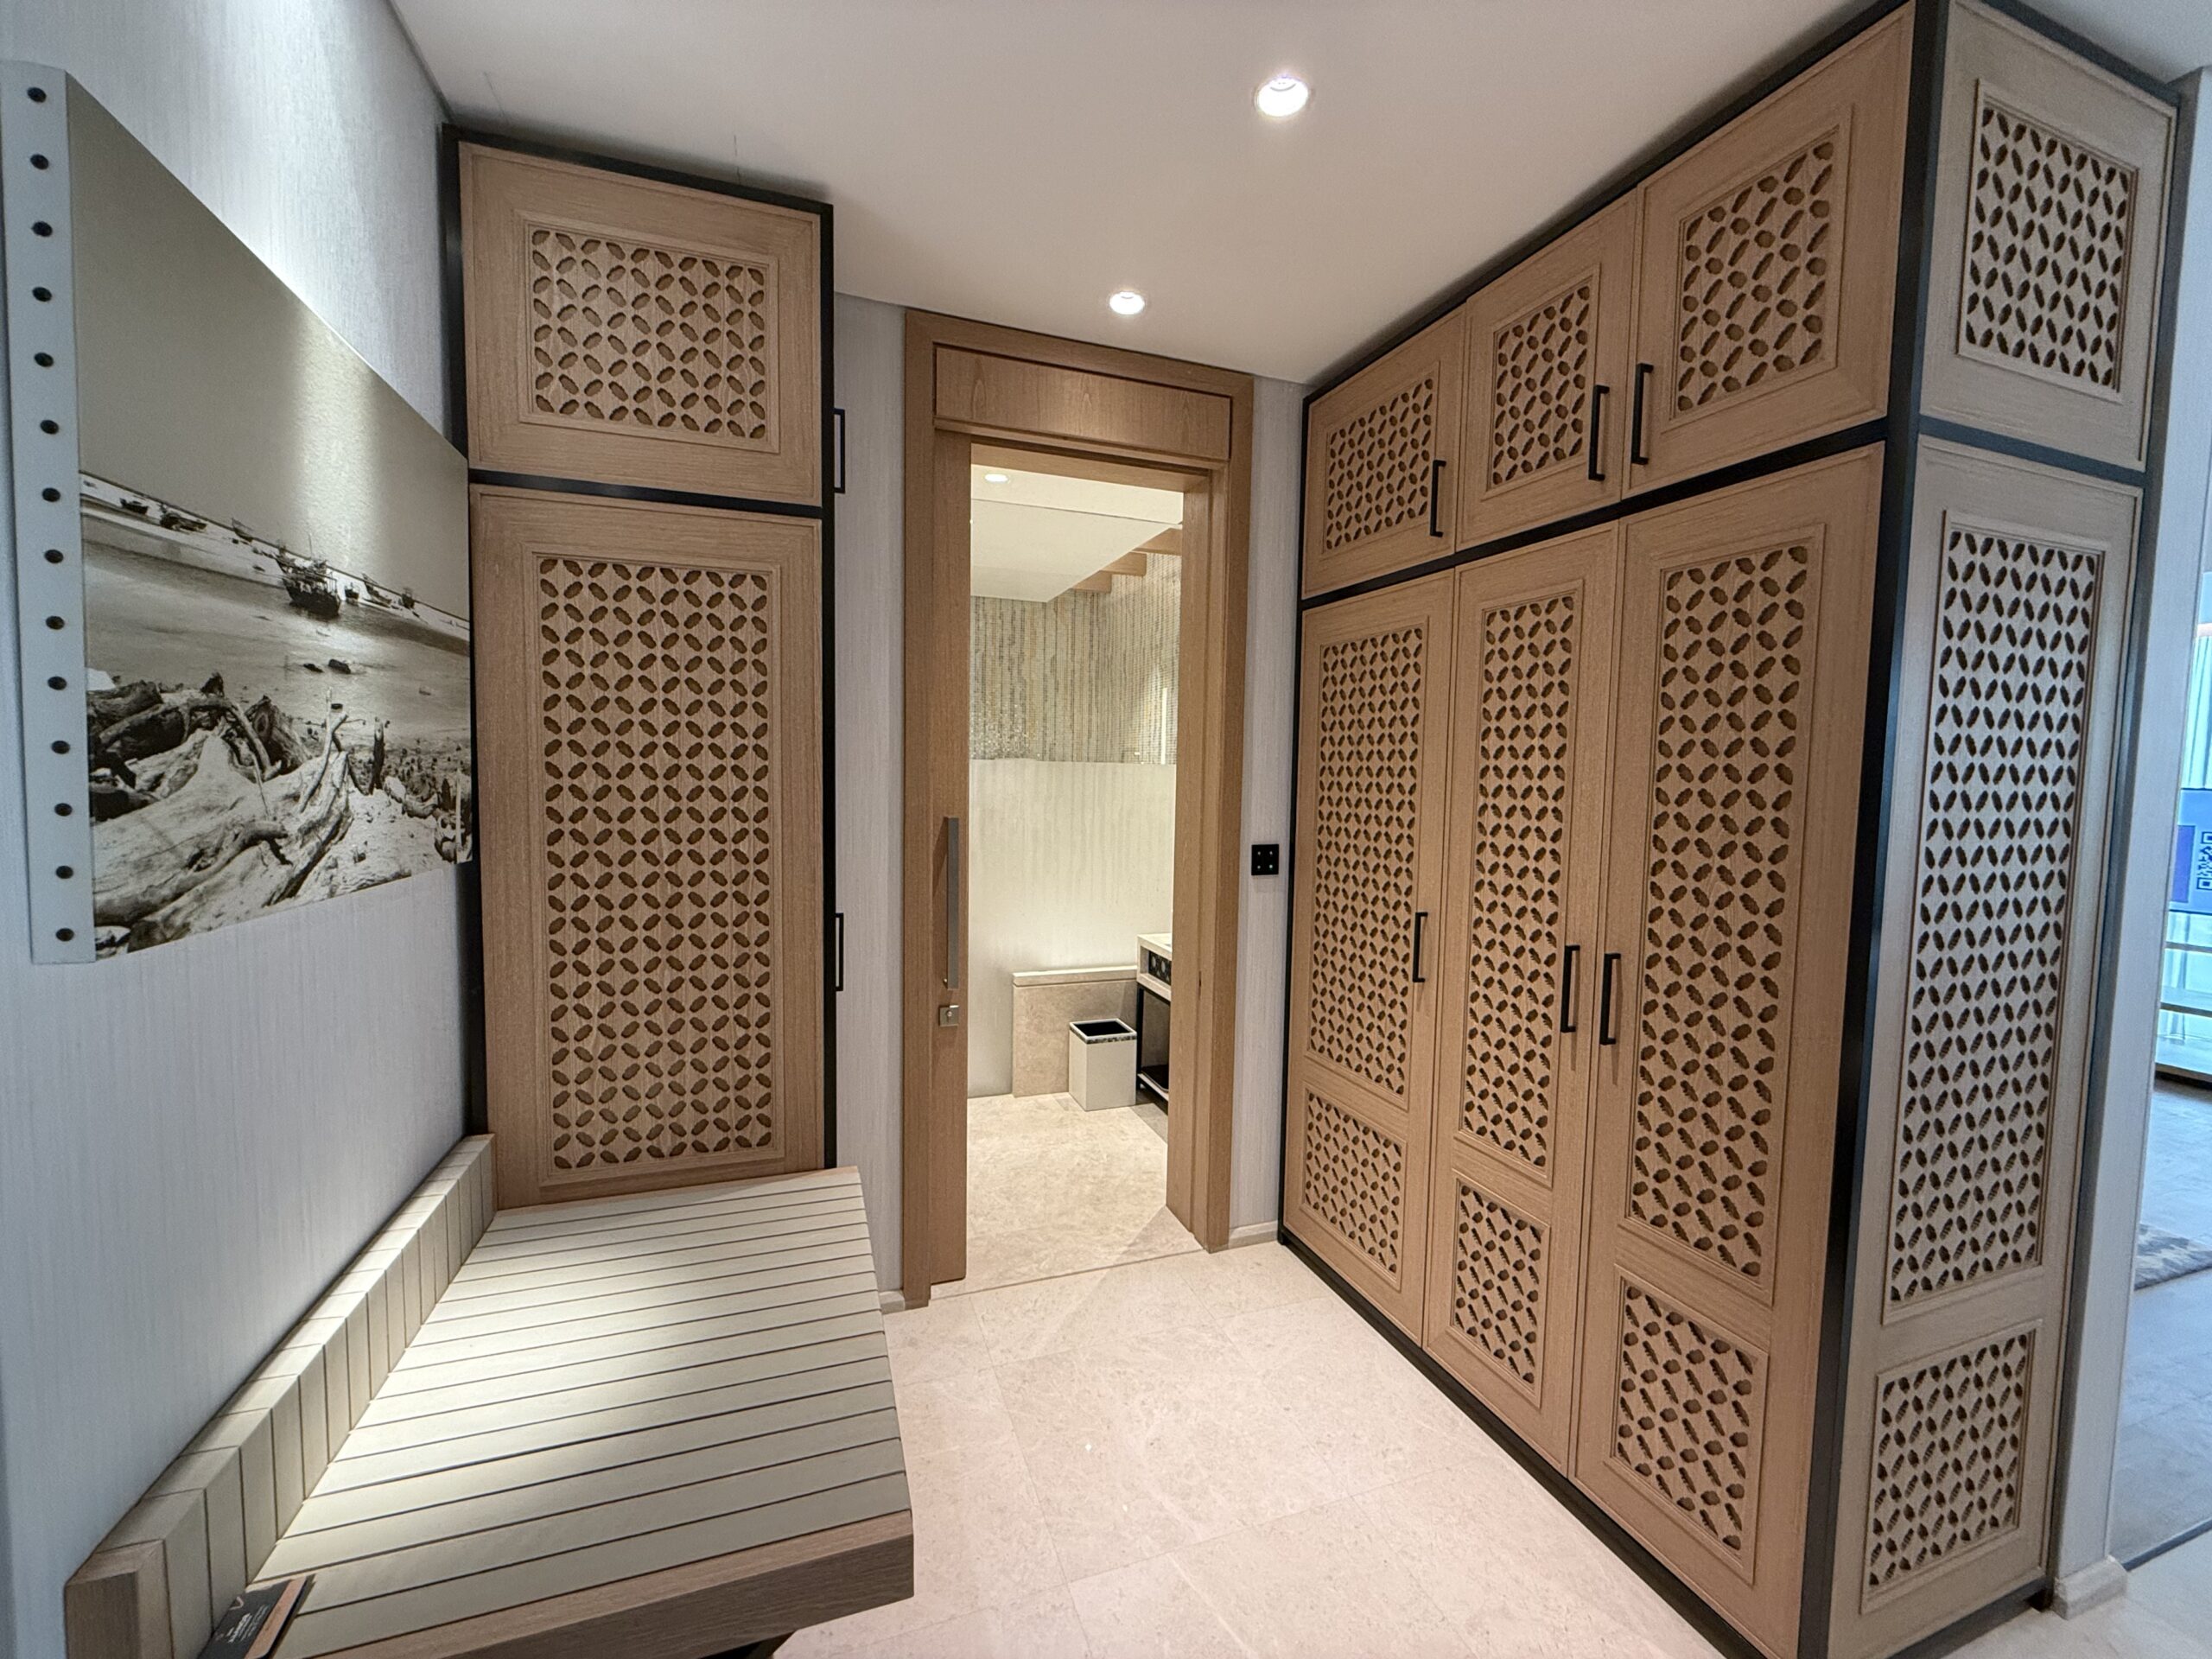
(1636, 454)
(1566, 990)
(1420, 926)
(1596, 440)
(1606, 1036)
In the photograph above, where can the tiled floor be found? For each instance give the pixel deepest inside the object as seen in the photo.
(1211, 1457)
(1053, 1189)
(2163, 1486)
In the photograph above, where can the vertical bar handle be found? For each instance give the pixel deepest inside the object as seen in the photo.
(1420, 927)
(952, 903)
(1636, 456)
(838, 487)
(1606, 1036)
(839, 984)
(1566, 990)
(1596, 441)
(1436, 497)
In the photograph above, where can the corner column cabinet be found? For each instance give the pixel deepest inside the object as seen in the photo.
(1728, 1149)
(649, 532)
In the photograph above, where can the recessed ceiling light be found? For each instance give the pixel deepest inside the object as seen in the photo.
(1125, 301)
(1282, 96)
(994, 478)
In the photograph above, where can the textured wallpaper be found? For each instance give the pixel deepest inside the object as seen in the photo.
(1085, 676)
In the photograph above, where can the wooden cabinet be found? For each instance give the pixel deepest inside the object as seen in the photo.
(627, 331)
(1769, 268)
(1381, 455)
(1532, 716)
(1374, 719)
(1547, 380)
(2049, 222)
(648, 706)
(1723, 957)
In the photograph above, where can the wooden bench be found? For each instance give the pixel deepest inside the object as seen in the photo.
(659, 1426)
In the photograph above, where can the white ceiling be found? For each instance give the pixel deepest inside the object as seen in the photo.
(1036, 535)
(1018, 160)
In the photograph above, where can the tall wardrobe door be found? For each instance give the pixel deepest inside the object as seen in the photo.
(1770, 257)
(1547, 381)
(1381, 462)
(1366, 951)
(1531, 718)
(648, 714)
(2017, 612)
(1725, 950)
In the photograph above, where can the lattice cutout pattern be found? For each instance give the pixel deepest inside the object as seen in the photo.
(1688, 1418)
(1498, 1263)
(1539, 397)
(652, 340)
(1355, 1180)
(2048, 226)
(2015, 657)
(1950, 1454)
(1376, 476)
(1524, 748)
(1367, 801)
(1726, 794)
(1757, 289)
(656, 693)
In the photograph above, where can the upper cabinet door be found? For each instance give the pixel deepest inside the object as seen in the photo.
(1382, 453)
(1768, 260)
(2049, 220)
(1547, 380)
(625, 331)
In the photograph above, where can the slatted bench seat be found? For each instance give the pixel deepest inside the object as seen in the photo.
(655, 1426)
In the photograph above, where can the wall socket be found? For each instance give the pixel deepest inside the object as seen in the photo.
(1266, 858)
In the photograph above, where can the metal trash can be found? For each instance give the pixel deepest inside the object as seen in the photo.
(1102, 1064)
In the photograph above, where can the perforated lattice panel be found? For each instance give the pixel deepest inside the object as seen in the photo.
(657, 716)
(1689, 1415)
(1355, 1181)
(1720, 900)
(2049, 221)
(648, 339)
(1367, 798)
(1757, 290)
(2015, 656)
(1950, 1445)
(1375, 474)
(1498, 1283)
(1524, 746)
(1539, 397)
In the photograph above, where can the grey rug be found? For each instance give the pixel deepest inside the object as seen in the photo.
(2160, 1255)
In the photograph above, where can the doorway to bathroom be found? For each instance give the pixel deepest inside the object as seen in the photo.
(1075, 608)
(1075, 554)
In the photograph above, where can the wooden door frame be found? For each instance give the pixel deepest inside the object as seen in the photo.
(1132, 409)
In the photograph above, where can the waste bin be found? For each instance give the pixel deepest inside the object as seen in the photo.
(1102, 1064)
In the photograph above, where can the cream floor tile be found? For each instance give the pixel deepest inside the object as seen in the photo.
(949, 1412)
(1315, 1584)
(1150, 1610)
(2176, 1585)
(1043, 1626)
(1117, 1305)
(2119, 1629)
(943, 1339)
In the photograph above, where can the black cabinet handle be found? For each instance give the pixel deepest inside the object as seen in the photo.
(838, 416)
(1596, 442)
(1566, 990)
(839, 984)
(1420, 925)
(1435, 497)
(1636, 456)
(1606, 1036)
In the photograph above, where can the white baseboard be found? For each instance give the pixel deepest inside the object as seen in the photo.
(2074, 1593)
(893, 1301)
(1260, 1232)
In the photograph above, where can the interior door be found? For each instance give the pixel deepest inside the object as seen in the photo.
(1373, 724)
(648, 709)
(1531, 722)
(1724, 954)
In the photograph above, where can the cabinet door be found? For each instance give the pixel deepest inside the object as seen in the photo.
(1532, 716)
(1724, 947)
(1382, 453)
(1373, 729)
(625, 331)
(1769, 265)
(1547, 381)
(648, 729)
